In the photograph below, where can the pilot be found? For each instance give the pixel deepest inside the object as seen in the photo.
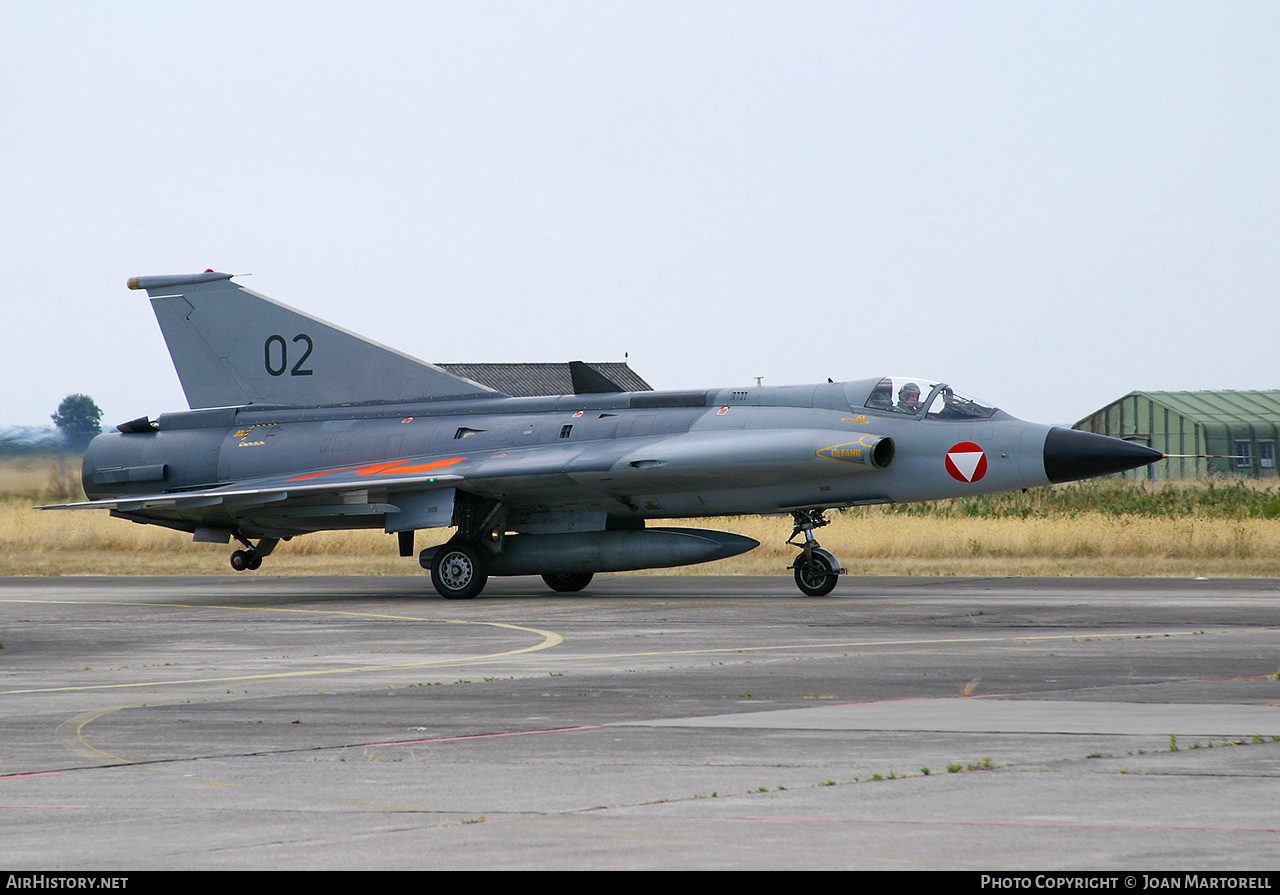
(909, 398)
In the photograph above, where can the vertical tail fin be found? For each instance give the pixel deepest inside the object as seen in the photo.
(231, 346)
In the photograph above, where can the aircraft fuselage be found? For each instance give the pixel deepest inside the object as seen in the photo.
(644, 455)
(300, 426)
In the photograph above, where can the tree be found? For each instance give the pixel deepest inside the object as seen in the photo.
(79, 419)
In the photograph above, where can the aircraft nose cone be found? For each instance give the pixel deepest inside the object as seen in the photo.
(1070, 454)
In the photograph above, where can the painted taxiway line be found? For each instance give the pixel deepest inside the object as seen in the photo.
(549, 639)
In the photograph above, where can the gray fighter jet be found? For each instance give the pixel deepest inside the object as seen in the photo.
(299, 426)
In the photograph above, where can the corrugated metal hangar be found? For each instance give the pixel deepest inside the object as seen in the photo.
(1240, 428)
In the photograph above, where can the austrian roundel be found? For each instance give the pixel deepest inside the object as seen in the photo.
(966, 462)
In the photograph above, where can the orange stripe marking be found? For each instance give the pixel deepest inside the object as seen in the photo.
(394, 467)
(397, 467)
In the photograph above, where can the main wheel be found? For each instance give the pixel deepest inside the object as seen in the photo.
(459, 571)
(240, 560)
(568, 582)
(816, 578)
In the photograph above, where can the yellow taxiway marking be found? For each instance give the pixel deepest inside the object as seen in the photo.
(549, 639)
(858, 644)
(71, 733)
(552, 639)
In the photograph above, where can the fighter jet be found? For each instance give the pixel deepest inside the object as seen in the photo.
(297, 426)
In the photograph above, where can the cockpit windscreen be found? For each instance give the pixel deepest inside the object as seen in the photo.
(909, 395)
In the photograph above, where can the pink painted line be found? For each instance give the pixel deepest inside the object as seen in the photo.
(1019, 823)
(487, 736)
(31, 774)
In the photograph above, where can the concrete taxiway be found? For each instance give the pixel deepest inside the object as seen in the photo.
(655, 722)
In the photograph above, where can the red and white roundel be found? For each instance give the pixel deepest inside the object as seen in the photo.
(966, 462)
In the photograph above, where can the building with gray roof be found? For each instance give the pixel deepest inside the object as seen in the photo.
(572, 378)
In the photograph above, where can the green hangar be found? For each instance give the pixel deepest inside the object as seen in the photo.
(1238, 428)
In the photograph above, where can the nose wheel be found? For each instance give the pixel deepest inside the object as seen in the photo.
(815, 577)
(816, 569)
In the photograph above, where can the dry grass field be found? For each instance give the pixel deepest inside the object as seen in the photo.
(1095, 529)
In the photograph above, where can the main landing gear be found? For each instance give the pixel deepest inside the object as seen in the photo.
(568, 582)
(460, 567)
(816, 569)
(251, 557)
(459, 570)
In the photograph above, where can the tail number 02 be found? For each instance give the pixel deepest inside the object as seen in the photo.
(275, 353)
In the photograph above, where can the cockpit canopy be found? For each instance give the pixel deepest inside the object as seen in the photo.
(908, 395)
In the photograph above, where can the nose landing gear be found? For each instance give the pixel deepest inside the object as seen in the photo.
(816, 569)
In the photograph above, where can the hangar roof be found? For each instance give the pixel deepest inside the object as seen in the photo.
(1221, 406)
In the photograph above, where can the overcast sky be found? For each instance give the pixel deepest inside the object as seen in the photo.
(1045, 204)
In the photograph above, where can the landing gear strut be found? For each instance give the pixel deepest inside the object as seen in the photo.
(460, 568)
(816, 569)
(251, 557)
